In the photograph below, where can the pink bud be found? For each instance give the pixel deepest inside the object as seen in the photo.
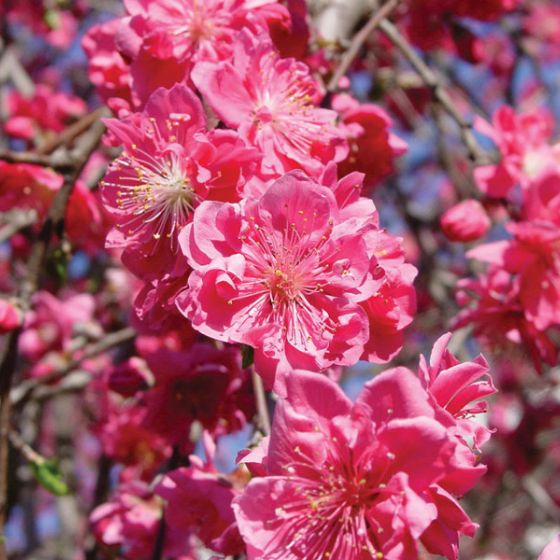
(10, 317)
(465, 221)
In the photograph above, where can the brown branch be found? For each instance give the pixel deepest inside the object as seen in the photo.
(54, 225)
(16, 221)
(358, 41)
(58, 161)
(432, 81)
(263, 423)
(23, 392)
(72, 131)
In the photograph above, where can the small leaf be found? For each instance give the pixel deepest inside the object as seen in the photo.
(248, 355)
(52, 19)
(49, 476)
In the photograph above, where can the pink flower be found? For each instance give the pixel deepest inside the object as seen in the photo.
(32, 187)
(128, 378)
(107, 69)
(170, 163)
(51, 323)
(498, 316)
(466, 221)
(290, 274)
(45, 112)
(127, 441)
(456, 390)
(372, 147)
(533, 255)
(351, 481)
(130, 522)
(392, 306)
(10, 317)
(523, 144)
(552, 550)
(271, 102)
(202, 384)
(199, 501)
(542, 28)
(162, 39)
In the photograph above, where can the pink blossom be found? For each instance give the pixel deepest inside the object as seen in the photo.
(190, 29)
(290, 273)
(45, 112)
(202, 384)
(271, 101)
(125, 439)
(533, 255)
(199, 500)
(130, 522)
(498, 316)
(10, 317)
(162, 39)
(170, 163)
(372, 147)
(552, 550)
(392, 306)
(128, 378)
(351, 481)
(107, 69)
(466, 221)
(31, 187)
(51, 323)
(523, 142)
(456, 390)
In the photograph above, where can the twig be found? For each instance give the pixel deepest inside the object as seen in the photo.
(58, 161)
(54, 224)
(476, 153)
(358, 41)
(26, 450)
(262, 407)
(72, 131)
(17, 221)
(541, 497)
(23, 391)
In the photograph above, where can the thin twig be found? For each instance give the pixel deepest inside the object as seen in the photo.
(72, 131)
(358, 41)
(58, 161)
(23, 391)
(54, 225)
(17, 221)
(431, 80)
(262, 406)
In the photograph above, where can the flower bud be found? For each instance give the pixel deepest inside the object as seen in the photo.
(465, 221)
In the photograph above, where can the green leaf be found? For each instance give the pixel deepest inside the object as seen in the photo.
(248, 355)
(49, 476)
(52, 19)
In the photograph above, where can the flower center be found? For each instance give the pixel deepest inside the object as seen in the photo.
(156, 194)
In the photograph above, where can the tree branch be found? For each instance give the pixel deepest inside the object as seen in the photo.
(358, 41)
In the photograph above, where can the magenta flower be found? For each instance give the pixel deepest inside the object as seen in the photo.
(288, 273)
(523, 142)
(351, 481)
(199, 501)
(271, 102)
(170, 163)
(466, 221)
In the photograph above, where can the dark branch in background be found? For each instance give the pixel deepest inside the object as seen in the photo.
(20, 394)
(432, 81)
(58, 161)
(358, 41)
(54, 225)
(263, 418)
